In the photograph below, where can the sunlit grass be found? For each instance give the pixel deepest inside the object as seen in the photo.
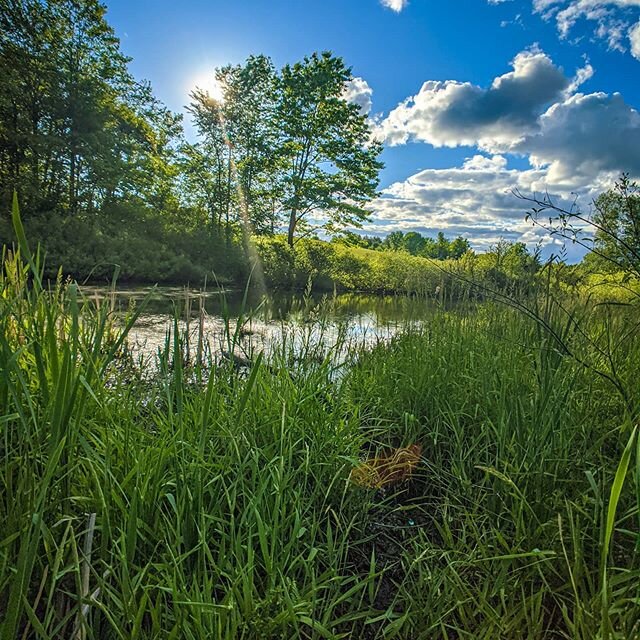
(206, 502)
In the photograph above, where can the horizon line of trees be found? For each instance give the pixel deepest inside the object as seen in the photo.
(412, 242)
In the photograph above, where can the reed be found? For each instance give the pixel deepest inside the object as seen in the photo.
(207, 502)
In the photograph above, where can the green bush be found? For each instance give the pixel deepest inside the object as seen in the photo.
(278, 261)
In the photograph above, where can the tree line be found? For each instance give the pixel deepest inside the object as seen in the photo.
(412, 242)
(103, 168)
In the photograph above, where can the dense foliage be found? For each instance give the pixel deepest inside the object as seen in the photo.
(342, 266)
(109, 184)
(90, 151)
(288, 147)
(616, 219)
(106, 177)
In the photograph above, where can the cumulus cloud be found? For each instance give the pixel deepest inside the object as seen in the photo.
(474, 200)
(634, 39)
(585, 136)
(455, 113)
(359, 92)
(395, 5)
(575, 143)
(533, 111)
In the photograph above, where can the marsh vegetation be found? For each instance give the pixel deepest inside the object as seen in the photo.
(208, 500)
(313, 433)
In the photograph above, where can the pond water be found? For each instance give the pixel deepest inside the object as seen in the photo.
(209, 319)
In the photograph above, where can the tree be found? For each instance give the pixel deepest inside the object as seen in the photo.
(429, 248)
(239, 135)
(610, 233)
(616, 218)
(329, 162)
(459, 247)
(413, 243)
(203, 180)
(443, 246)
(438, 249)
(352, 239)
(394, 241)
(91, 152)
(76, 130)
(248, 117)
(289, 144)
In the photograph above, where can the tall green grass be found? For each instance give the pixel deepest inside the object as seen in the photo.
(530, 508)
(212, 503)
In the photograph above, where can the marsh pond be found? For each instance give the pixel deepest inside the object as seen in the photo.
(213, 320)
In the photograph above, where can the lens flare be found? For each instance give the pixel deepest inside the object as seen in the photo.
(257, 272)
(208, 83)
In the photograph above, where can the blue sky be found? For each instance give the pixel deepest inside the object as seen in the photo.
(501, 93)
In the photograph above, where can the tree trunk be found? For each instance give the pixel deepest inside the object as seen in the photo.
(228, 209)
(293, 219)
(72, 182)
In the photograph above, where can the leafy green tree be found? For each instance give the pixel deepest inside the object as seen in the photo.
(459, 247)
(207, 165)
(417, 245)
(373, 242)
(92, 153)
(239, 135)
(413, 243)
(616, 219)
(443, 247)
(204, 181)
(357, 240)
(76, 130)
(429, 248)
(394, 241)
(510, 266)
(437, 249)
(610, 232)
(248, 117)
(288, 145)
(329, 161)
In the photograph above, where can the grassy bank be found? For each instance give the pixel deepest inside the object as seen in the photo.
(334, 265)
(149, 253)
(212, 504)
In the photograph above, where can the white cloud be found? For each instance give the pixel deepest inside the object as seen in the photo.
(395, 5)
(584, 137)
(475, 200)
(634, 39)
(611, 17)
(517, 20)
(455, 113)
(574, 142)
(582, 75)
(359, 92)
(533, 111)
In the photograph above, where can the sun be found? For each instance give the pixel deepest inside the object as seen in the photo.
(206, 81)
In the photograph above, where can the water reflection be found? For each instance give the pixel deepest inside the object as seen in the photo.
(208, 318)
